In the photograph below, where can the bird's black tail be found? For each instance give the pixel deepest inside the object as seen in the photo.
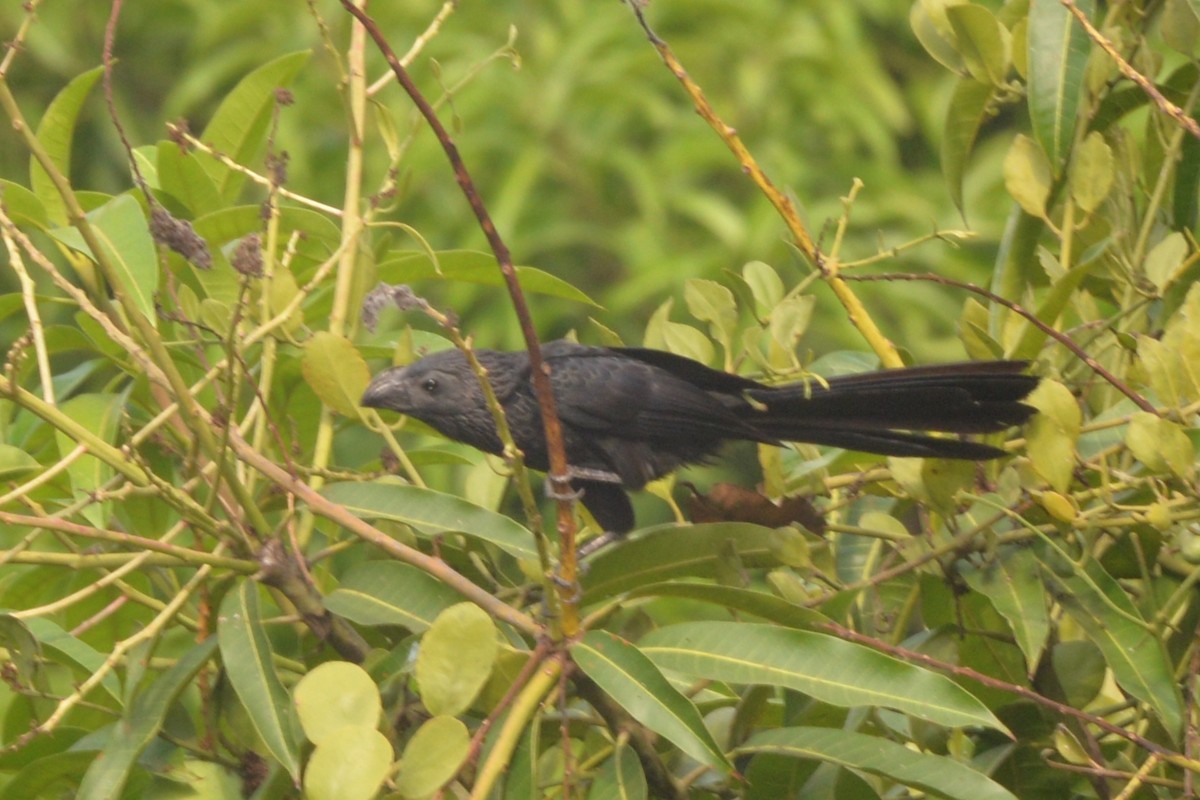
(877, 412)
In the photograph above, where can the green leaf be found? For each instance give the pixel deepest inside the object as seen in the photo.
(629, 678)
(390, 593)
(124, 236)
(246, 653)
(78, 652)
(15, 463)
(1053, 304)
(765, 285)
(672, 551)
(935, 33)
(336, 371)
(1165, 261)
(53, 776)
(1058, 53)
(350, 765)
(318, 236)
(1186, 186)
(1092, 172)
(238, 129)
(432, 757)
(968, 110)
(1080, 669)
(663, 334)
(1133, 649)
(24, 207)
(620, 777)
(789, 320)
(831, 670)
(985, 44)
(333, 695)
(181, 175)
(1027, 175)
(143, 719)
(455, 659)
(432, 513)
(55, 132)
(1009, 581)
(100, 414)
(24, 651)
(1051, 435)
(709, 301)
(471, 266)
(937, 775)
(758, 603)
(1180, 25)
(1160, 444)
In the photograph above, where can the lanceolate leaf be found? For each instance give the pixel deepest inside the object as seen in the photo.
(107, 775)
(390, 593)
(1010, 582)
(238, 128)
(124, 237)
(246, 653)
(831, 670)
(470, 266)
(937, 775)
(1058, 52)
(1133, 650)
(431, 513)
(56, 131)
(625, 674)
(671, 551)
(966, 113)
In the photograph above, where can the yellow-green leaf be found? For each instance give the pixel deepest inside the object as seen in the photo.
(1050, 436)
(1027, 175)
(336, 371)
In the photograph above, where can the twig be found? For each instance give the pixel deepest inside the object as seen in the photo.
(1166, 106)
(828, 268)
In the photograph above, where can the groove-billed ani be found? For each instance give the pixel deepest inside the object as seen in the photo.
(630, 415)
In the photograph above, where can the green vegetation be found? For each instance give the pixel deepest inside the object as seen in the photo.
(222, 578)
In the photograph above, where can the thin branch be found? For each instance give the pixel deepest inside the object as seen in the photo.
(539, 370)
(1166, 106)
(828, 267)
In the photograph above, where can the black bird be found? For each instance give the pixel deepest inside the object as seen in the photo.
(630, 415)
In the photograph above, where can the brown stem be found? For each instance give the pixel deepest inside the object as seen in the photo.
(281, 572)
(539, 370)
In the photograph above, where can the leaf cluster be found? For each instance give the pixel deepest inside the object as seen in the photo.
(222, 578)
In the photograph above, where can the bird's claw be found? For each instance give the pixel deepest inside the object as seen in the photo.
(598, 543)
(574, 586)
(559, 494)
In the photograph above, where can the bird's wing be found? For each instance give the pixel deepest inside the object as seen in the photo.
(690, 371)
(605, 391)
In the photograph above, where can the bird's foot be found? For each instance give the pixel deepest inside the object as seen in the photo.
(596, 544)
(560, 494)
(590, 474)
(574, 587)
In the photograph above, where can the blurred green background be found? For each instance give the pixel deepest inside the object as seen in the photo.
(585, 148)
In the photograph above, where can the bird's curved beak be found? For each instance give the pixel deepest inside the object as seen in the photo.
(387, 390)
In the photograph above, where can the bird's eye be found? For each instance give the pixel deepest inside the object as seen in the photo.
(430, 385)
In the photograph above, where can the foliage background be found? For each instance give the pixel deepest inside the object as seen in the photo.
(591, 165)
(210, 657)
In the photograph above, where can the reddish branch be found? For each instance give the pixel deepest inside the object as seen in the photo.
(540, 370)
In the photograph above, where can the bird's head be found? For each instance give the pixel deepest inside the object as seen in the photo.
(435, 386)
